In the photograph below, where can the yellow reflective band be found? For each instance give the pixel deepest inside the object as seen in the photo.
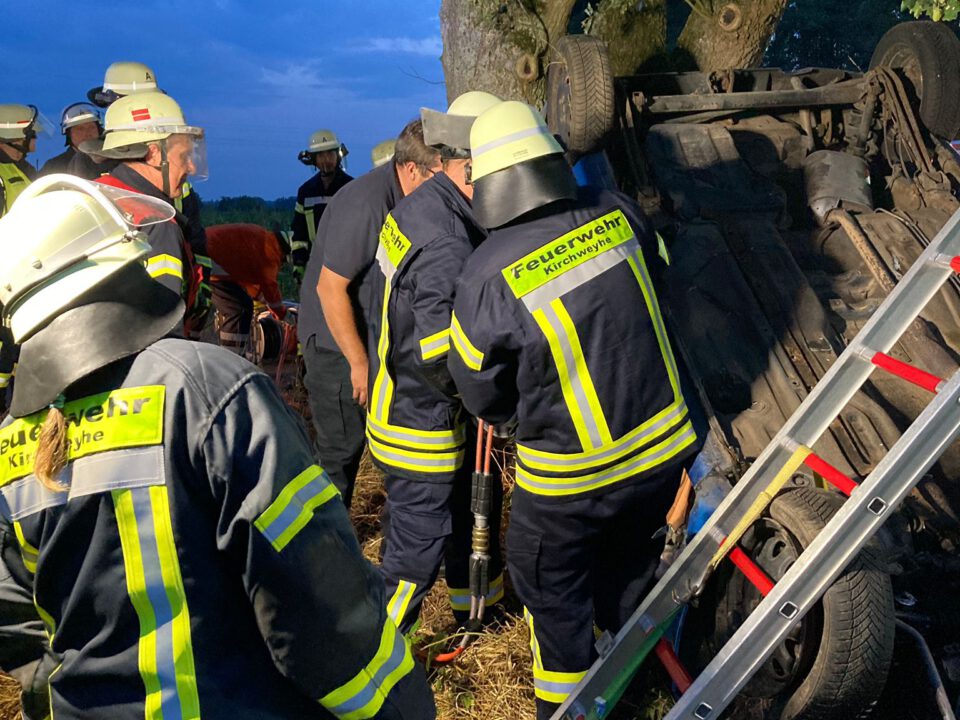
(662, 248)
(49, 624)
(435, 345)
(760, 504)
(156, 591)
(164, 264)
(393, 241)
(5, 379)
(460, 597)
(299, 245)
(567, 252)
(400, 602)
(549, 685)
(653, 429)
(659, 454)
(311, 224)
(185, 192)
(639, 268)
(382, 393)
(423, 462)
(298, 208)
(203, 261)
(294, 506)
(129, 417)
(28, 552)
(363, 696)
(470, 355)
(432, 440)
(576, 384)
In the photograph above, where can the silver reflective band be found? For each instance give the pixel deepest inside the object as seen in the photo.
(507, 139)
(145, 85)
(444, 440)
(313, 201)
(584, 273)
(100, 473)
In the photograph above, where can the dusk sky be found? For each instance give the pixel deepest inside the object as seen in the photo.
(259, 77)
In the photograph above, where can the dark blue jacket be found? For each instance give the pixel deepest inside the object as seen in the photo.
(556, 325)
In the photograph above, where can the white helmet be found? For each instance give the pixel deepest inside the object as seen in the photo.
(65, 236)
(79, 113)
(382, 153)
(518, 165)
(22, 122)
(121, 79)
(321, 141)
(450, 131)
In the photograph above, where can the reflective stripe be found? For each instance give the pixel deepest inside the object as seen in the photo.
(435, 345)
(294, 506)
(298, 208)
(203, 261)
(471, 357)
(383, 384)
(234, 337)
(577, 276)
(640, 272)
(424, 462)
(155, 587)
(400, 601)
(659, 454)
(314, 201)
(395, 244)
(566, 253)
(299, 245)
(103, 472)
(5, 379)
(549, 685)
(164, 264)
(412, 438)
(311, 224)
(127, 417)
(28, 552)
(364, 695)
(634, 440)
(507, 139)
(460, 597)
(576, 384)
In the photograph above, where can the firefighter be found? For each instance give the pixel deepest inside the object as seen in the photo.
(556, 327)
(416, 427)
(338, 274)
(126, 78)
(382, 153)
(78, 123)
(247, 260)
(184, 560)
(156, 150)
(19, 125)
(324, 153)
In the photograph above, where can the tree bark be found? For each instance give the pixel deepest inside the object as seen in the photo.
(636, 39)
(726, 34)
(500, 47)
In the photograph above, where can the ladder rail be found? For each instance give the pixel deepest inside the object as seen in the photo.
(850, 529)
(820, 408)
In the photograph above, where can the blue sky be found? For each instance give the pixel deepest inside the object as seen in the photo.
(258, 76)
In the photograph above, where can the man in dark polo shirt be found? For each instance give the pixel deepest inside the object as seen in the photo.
(334, 336)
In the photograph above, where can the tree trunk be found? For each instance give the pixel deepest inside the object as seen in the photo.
(721, 35)
(636, 39)
(500, 47)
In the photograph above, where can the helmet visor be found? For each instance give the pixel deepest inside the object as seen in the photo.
(39, 125)
(136, 209)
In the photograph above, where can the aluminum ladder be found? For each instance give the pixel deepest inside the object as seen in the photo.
(868, 506)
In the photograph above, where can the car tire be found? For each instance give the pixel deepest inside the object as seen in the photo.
(843, 648)
(928, 54)
(580, 95)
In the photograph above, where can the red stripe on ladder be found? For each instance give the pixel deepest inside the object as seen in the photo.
(829, 473)
(920, 378)
(671, 663)
(760, 580)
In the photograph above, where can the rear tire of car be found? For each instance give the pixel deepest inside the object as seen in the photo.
(580, 94)
(928, 55)
(842, 650)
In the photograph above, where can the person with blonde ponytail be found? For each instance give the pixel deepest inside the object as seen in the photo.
(161, 515)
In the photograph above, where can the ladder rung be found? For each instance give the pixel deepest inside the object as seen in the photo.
(760, 580)
(671, 663)
(829, 473)
(920, 378)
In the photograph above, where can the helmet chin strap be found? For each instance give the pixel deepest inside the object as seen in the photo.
(165, 169)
